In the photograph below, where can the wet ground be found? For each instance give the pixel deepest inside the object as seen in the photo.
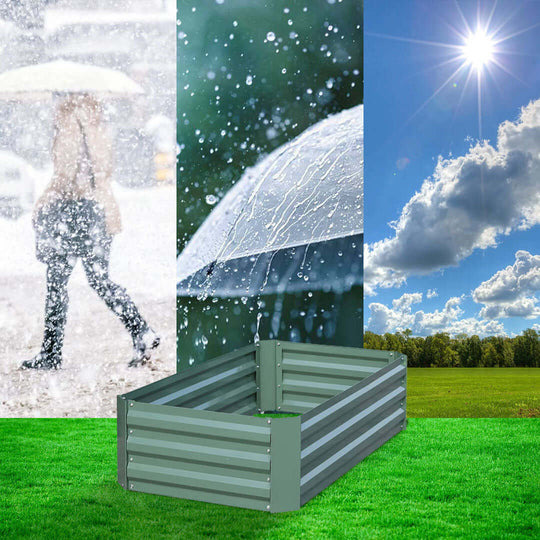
(97, 348)
(96, 352)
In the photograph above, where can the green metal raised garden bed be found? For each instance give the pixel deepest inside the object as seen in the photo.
(194, 435)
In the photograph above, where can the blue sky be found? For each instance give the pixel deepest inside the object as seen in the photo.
(485, 278)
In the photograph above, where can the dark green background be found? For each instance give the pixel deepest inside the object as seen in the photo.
(212, 166)
(312, 69)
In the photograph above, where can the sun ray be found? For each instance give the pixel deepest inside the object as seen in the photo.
(477, 48)
(463, 18)
(517, 33)
(416, 41)
(436, 92)
(491, 13)
(500, 65)
(462, 94)
(493, 79)
(506, 21)
(479, 98)
(451, 60)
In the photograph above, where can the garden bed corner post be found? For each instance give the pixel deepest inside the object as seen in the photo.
(285, 464)
(121, 439)
(266, 375)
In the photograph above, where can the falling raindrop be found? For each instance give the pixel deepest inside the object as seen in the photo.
(238, 130)
(256, 337)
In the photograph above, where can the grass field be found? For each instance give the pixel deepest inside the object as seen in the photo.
(473, 392)
(441, 478)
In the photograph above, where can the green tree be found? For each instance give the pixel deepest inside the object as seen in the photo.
(490, 357)
(473, 352)
(411, 348)
(527, 349)
(373, 341)
(451, 357)
(392, 342)
(507, 353)
(462, 350)
(426, 356)
(438, 349)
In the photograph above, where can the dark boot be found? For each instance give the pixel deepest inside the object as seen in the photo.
(56, 305)
(42, 360)
(143, 345)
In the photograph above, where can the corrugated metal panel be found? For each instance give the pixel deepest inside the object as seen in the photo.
(225, 384)
(310, 375)
(340, 432)
(172, 441)
(200, 455)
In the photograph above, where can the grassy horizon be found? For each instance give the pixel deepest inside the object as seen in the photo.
(473, 392)
(440, 478)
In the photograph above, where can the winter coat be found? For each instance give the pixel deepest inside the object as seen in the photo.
(74, 176)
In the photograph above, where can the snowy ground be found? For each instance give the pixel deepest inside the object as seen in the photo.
(97, 347)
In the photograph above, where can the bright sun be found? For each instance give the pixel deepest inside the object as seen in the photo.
(478, 50)
(478, 54)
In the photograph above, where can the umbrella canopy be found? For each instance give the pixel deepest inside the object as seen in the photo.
(309, 192)
(42, 81)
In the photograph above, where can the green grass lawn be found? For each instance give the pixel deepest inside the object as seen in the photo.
(473, 392)
(441, 478)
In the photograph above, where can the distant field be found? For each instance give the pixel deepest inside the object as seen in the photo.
(440, 478)
(473, 392)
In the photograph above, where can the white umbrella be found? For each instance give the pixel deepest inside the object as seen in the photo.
(307, 192)
(42, 81)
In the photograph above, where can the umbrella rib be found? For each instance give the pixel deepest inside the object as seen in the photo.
(309, 197)
(265, 207)
(302, 141)
(231, 240)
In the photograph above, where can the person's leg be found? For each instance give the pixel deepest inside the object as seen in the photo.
(56, 304)
(96, 266)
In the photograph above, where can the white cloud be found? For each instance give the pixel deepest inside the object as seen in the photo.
(405, 301)
(401, 316)
(468, 203)
(511, 291)
(432, 293)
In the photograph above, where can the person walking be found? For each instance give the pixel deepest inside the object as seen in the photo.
(75, 218)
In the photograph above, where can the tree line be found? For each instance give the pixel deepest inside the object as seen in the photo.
(442, 350)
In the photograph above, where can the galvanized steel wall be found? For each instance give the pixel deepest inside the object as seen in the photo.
(200, 455)
(193, 435)
(311, 374)
(176, 443)
(226, 384)
(340, 432)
